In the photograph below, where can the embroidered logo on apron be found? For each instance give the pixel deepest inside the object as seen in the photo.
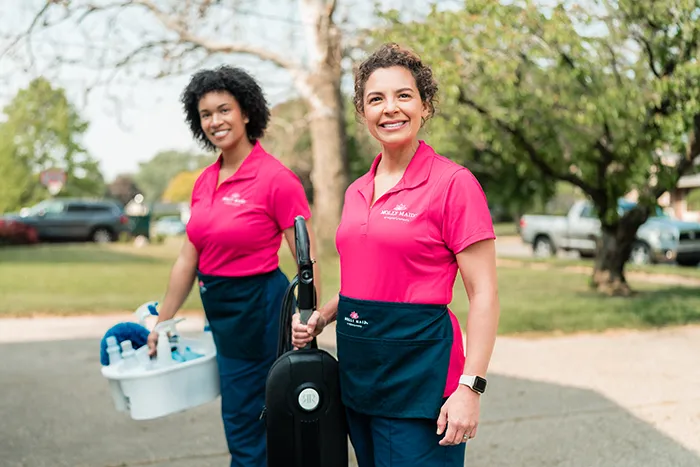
(353, 319)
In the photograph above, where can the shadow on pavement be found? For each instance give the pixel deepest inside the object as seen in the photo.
(57, 411)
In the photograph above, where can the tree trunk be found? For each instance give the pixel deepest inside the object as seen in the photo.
(329, 171)
(321, 91)
(614, 248)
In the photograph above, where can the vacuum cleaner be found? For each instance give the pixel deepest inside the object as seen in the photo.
(304, 415)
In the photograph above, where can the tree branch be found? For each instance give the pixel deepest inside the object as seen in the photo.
(212, 46)
(613, 57)
(29, 30)
(649, 51)
(530, 150)
(686, 163)
(330, 9)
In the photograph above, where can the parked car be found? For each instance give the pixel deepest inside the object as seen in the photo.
(660, 239)
(76, 220)
(15, 232)
(169, 226)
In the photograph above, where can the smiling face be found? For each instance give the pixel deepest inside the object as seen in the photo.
(222, 120)
(393, 107)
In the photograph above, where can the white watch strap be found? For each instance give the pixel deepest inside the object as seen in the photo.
(467, 380)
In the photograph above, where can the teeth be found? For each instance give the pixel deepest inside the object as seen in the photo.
(220, 133)
(392, 125)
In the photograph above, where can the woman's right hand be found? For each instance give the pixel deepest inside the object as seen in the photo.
(303, 334)
(152, 343)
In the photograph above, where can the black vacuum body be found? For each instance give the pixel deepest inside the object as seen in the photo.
(304, 415)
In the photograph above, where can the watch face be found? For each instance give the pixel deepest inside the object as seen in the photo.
(479, 384)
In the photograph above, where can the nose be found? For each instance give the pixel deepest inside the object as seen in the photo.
(390, 106)
(215, 119)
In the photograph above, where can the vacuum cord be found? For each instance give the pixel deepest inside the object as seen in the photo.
(284, 336)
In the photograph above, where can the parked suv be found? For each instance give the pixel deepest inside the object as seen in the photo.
(659, 239)
(77, 220)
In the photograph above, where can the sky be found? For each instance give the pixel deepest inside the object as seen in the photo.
(134, 119)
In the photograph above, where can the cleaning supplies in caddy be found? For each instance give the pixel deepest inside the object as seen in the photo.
(169, 338)
(129, 357)
(151, 388)
(145, 310)
(113, 351)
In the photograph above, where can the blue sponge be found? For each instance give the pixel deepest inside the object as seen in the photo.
(134, 332)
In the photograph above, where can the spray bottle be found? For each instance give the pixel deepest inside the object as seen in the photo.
(145, 310)
(166, 331)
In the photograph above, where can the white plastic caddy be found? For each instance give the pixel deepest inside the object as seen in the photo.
(148, 393)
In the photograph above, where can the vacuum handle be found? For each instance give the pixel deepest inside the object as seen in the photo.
(306, 292)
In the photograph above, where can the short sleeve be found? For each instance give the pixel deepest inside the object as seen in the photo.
(288, 199)
(466, 217)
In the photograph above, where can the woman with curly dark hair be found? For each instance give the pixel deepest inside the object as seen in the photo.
(242, 206)
(408, 225)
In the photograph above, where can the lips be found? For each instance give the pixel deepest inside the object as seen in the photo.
(220, 133)
(393, 125)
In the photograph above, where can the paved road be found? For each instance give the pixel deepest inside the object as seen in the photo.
(611, 400)
(513, 247)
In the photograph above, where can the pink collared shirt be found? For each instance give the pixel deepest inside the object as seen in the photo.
(403, 248)
(237, 227)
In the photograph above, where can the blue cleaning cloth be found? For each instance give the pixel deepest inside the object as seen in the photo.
(134, 332)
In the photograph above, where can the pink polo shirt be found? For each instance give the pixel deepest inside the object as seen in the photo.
(402, 249)
(237, 227)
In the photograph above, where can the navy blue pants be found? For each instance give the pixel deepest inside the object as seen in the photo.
(242, 380)
(393, 442)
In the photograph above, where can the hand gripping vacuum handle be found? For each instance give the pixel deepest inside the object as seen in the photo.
(306, 292)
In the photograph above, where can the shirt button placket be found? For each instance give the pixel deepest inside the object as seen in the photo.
(365, 223)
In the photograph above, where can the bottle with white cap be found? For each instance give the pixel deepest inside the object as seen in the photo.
(164, 356)
(113, 351)
(129, 356)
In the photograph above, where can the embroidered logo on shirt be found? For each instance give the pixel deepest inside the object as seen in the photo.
(354, 320)
(233, 200)
(399, 213)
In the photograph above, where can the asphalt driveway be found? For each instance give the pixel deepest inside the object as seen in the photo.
(615, 399)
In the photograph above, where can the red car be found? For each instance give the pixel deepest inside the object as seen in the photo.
(15, 232)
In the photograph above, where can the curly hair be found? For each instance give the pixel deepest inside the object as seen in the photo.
(390, 55)
(241, 86)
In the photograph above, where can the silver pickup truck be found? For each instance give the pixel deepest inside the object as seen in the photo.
(660, 239)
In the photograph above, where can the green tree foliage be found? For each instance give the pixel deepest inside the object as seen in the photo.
(598, 98)
(16, 180)
(42, 130)
(154, 175)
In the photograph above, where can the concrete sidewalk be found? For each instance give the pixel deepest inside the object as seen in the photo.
(615, 399)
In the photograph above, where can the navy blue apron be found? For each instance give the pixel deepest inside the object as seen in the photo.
(393, 357)
(236, 310)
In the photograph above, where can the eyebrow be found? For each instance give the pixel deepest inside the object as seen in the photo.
(397, 91)
(218, 107)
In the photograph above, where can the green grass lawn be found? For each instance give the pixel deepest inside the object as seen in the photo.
(665, 269)
(73, 279)
(505, 229)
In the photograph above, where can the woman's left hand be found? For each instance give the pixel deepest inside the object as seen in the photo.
(460, 414)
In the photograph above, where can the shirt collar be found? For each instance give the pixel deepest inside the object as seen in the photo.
(247, 170)
(416, 173)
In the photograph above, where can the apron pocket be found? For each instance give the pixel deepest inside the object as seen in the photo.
(393, 378)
